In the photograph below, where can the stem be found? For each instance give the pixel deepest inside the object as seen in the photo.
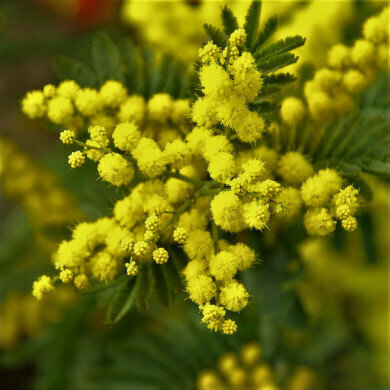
(179, 176)
(214, 235)
(102, 149)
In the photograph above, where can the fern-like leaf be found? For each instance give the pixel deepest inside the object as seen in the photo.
(279, 79)
(251, 25)
(216, 35)
(70, 69)
(277, 62)
(266, 32)
(107, 59)
(229, 21)
(280, 47)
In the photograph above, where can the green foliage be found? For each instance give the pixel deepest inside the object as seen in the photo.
(280, 47)
(268, 30)
(216, 35)
(138, 69)
(70, 69)
(252, 20)
(229, 21)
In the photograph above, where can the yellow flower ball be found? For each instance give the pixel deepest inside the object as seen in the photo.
(115, 169)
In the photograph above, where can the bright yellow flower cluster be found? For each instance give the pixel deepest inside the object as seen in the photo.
(38, 191)
(246, 369)
(75, 108)
(350, 71)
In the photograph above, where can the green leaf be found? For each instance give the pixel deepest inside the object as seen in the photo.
(229, 21)
(107, 59)
(266, 106)
(268, 30)
(130, 56)
(216, 35)
(160, 284)
(376, 167)
(268, 90)
(144, 287)
(251, 25)
(279, 79)
(69, 69)
(280, 47)
(122, 300)
(277, 62)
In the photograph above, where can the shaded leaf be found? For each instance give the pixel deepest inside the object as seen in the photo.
(268, 30)
(216, 35)
(70, 69)
(251, 25)
(229, 21)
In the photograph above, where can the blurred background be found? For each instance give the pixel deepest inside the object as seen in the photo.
(332, 319)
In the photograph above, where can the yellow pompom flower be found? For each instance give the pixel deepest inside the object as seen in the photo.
(251, 353)
(133, 109)
(112, 93)
(223, 266)
(81, 282)
(177, 154)
(141, 248)
(363, 53)
(256, 214)
(193, 269)
(294, 168)
(68, 89)
(234, 53)
(88, 101)
(41, 286)
(66, 276)
(115, 169)
(160, 256)
(245, 256)
(247, 79)
(269, 188)
(196, 139)
(127, 245)
(347, 197)
(251, 128)
(234, 296)
(150, 159)
(180, 235)
(216, 144)
(199, 245)
(376, 31)
(49, 91)
(209, 52)
(222, 167)
(319, 222)
(33, 104)
(320, 106)
(349, 223)
(204, 112)
(131, 268)
(201, 289)
(126, 136)
(67, 137)
(98, 135)
(229, 327)
(92, 152)
(215, 80)
(160, 107)
(292, 111)
(227, 210)
(318, 189)
(76, 159)
(104, 266)
(291, 200)
(59, 109)
(213, 316)
(181, 111)
(339, 56)
(354, 81)
(237, 37)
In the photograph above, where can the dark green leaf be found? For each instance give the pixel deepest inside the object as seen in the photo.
(251, 25)
(269, 29)
(229, 21)
(144, 287)
(279, 79)
(122, 300)
(277, 62)
(266, 106)
(107, 59)
(160, 284)
(131, 64)
(280, 47)
(216, 35)
(69, 69)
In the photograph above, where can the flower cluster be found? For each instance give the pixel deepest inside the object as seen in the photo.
(247, 370)
(350, 70)
(191, 185)
(73, 107)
